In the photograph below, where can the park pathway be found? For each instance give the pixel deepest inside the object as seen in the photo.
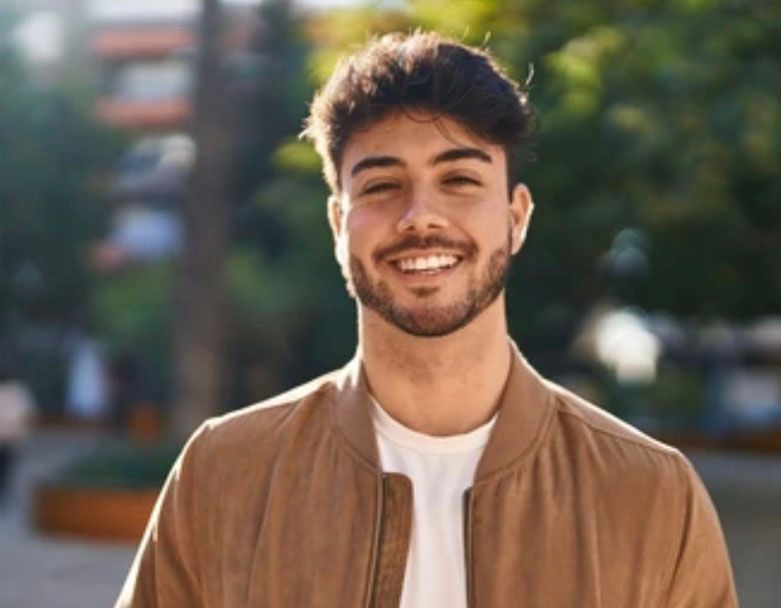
(44, 572)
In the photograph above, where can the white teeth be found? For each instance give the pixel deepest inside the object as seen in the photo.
(432, 262)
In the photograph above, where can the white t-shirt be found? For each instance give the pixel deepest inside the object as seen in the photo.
(441, 469)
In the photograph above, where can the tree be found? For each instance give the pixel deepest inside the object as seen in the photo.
(661, 117)
(200, 306)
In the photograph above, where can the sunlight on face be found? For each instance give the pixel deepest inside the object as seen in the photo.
(424, 228)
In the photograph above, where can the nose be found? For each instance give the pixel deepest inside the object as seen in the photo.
(421, 215)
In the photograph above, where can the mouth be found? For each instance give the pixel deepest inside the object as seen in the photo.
(426, 264)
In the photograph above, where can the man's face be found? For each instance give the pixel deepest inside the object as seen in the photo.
(424, 230)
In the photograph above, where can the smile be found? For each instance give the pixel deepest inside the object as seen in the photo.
(426, 264)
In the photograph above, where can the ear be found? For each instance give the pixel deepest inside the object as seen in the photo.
(335, 216)
(521, 208)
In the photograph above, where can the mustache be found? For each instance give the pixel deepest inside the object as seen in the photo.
(466, 249)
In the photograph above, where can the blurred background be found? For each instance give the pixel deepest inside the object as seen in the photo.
(165, 255)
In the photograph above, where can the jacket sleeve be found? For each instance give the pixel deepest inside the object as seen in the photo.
(165, 571)
(702, 575)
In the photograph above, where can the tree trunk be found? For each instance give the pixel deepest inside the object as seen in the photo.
(200, 310)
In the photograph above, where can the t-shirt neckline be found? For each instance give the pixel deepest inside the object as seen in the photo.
(403, 436)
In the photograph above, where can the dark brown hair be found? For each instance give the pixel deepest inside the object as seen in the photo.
(420, 71)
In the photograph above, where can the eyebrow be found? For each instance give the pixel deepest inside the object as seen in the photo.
(370, 162)
(461, 154)
(454, 154)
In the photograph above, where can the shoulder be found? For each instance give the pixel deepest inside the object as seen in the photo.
(252, 433)
(645, 497)
(274, 416)
(593, 421)
(613, 446)
(632, 472)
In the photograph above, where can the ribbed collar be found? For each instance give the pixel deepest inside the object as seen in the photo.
(526, 407)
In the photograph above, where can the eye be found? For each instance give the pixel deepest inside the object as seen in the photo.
(461, 180)
(378, 187)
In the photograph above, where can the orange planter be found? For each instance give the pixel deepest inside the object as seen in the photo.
(764, 441)
(105, 513)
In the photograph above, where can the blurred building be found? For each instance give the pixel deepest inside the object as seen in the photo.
(145, 54)
(135, 60)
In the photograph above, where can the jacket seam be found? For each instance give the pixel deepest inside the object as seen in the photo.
(659, 450)
(676, 552)
(373, 554)
(230, 416)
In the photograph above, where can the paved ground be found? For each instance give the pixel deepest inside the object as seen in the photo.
(747, 493)
(43, 572)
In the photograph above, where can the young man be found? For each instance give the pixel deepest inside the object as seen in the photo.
(437, 469)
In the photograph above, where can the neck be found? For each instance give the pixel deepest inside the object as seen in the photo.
(438, 386)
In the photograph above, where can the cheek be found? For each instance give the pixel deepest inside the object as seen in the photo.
(363, 231)
(488, 228)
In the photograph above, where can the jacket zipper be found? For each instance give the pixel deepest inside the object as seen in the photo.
(375, 554)
(467, 502)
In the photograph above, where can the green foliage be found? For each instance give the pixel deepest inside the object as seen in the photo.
(290, 316)
(678, 397)
(668, 123)
(290, 309)
(296, 157)
(131, 310)
(119, 464)
(273, 105)
(658, 115)
(51, 156)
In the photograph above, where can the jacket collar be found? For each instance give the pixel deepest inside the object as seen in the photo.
(526, 406)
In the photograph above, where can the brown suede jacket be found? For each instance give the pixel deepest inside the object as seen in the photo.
(284, 505)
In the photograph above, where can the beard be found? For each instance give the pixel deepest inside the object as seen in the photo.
(431, 321)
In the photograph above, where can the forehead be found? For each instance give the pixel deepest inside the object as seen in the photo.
(414, 137)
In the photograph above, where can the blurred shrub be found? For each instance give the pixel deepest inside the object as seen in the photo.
(678, 397)
(121, 465)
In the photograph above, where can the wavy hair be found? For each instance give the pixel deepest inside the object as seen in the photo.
(420, 71)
